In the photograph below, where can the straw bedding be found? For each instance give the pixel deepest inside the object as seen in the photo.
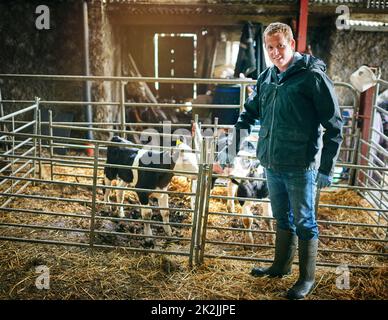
(78, 273)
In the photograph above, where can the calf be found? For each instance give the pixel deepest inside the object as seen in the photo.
(182, 159)
(253, 189)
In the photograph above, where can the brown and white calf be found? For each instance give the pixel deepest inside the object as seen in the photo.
(181, 159)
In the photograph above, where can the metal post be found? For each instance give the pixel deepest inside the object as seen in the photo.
(356, 108)
(36, 111)
(317, 197)
(366, 103)
(208, 179)
(88, 87)
(196, 118)
(3, 125)
(196, 214)
(94, 195)
(242, 97)
(13, 153)
(50, 113)
(202, 187)
(215, 136)
(356, 143)
(39, 120)
(302, 26)
(122, 108)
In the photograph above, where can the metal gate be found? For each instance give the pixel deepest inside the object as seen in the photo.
(33, 176)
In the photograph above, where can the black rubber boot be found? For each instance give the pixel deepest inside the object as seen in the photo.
(285, 247)
(307, 260)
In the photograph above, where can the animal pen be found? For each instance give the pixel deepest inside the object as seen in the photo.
(49, 197)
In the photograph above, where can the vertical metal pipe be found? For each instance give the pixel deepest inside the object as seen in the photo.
(358, 170)
(356, 107)
(36, 111)
(13, 161)
(196, 214)
(94, 195)
(215, 136)
(202, 187)
(3, 125)
(366, 103)
(196, 118)
(122, 108)
(209, 176)
(302, 25)
(193, 133)
(88, 86)
(39, 120)
(355, 147)
(50, 113)
(205, 212)
(242, 97)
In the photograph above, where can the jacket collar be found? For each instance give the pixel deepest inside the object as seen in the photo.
(298, 63)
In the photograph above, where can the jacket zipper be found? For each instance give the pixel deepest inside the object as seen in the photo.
(271, 128)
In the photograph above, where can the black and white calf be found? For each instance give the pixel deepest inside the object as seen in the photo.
(181, 159)
(256, 189)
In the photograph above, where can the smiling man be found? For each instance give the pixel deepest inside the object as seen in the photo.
(293, 98)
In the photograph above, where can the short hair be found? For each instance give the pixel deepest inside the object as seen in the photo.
(278, 27)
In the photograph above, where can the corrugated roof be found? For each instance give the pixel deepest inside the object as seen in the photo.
(367, 23)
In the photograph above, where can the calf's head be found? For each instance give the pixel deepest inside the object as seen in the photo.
(184, 158)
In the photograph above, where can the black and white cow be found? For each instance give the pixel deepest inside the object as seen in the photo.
(255, 189)
(181, 159)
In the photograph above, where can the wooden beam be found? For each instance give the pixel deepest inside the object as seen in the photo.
(121, 18)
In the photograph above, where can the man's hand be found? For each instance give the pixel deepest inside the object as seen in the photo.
(217, 168)
(323, 180)
(223, 157)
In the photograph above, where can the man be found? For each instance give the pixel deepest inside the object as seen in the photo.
(292, 99)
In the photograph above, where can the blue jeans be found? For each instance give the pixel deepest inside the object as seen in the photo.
(292, 195)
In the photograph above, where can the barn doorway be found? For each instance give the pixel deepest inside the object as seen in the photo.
(176, 57)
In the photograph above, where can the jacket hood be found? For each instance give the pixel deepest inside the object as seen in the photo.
(312, 62)
(302, 62)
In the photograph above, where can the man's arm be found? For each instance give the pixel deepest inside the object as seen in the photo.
(242, 128)
(247, 118)
(326, 104)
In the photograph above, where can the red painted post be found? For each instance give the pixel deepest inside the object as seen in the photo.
(302, 26)
(364, 123)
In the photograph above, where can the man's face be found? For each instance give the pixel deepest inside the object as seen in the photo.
(280, 50)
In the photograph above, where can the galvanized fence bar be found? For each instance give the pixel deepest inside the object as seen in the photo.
(194, 252)
(94, 196)
(50, 141)
(209, 143)
(202, 200)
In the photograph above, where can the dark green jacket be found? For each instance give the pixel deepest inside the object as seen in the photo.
(290, 111)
